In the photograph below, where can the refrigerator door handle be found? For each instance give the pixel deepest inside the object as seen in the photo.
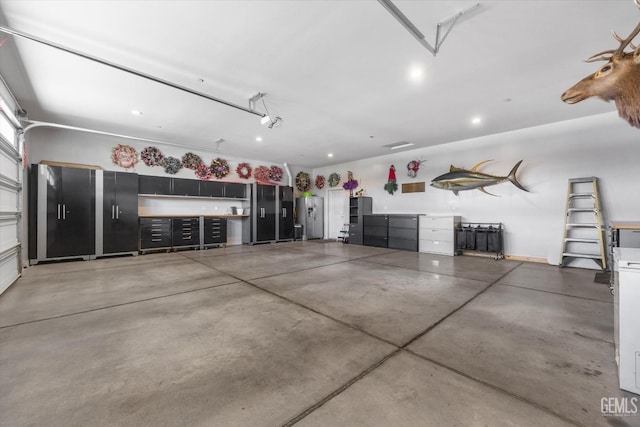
(64, 211)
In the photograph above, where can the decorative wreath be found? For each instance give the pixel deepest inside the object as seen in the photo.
(303, 181)
(203, 171)
(275, 174)
(151, 156)
(191, 161)
(219, 168)
(124, 155)
(171, 165)
(334, 179)
(262, 173)
(320, 182)
(244, 170)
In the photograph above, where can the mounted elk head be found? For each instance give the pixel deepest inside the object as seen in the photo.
(618, 80)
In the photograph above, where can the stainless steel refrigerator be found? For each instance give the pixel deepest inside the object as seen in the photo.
(310, 212)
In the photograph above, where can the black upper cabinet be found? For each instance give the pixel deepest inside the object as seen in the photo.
(120, 212)
(70, 212)
(154, 185)
(233, 190)
(285, 229)
(185, 187)
(212, 188)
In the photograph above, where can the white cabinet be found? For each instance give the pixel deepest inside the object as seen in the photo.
(437, 234)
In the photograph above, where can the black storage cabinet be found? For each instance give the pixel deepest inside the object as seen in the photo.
(155, 233)
(234, 190)
(185, 187)
(285, 210)
(375, 230)
(358, 206)
(264, 213)
(120, 212)
(403, 232)
(158, 185)
(70, 211)
(186, 232)
(215, 231)
(211, 189)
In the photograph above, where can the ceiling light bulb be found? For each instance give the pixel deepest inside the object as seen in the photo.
(330, 155)
(259, 138)
(136, 112)
(476, 120)
(416, 73)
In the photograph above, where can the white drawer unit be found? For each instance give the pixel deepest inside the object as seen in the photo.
(438, 234)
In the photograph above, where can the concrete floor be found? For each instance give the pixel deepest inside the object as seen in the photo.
(307, 333)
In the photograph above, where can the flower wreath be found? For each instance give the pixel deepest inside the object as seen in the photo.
(320, 182)
(303, 181)
(275, 174)
(262, 173)
(191, 161)
(203, 171)
(219, 168)
(244, 170)
(334, 179)
(171, 165)
(124, 155)
(151, 156)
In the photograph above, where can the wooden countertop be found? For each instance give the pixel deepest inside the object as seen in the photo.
(625, 225)
(192, 216)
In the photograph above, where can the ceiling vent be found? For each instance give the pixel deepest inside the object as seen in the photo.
(400, 144)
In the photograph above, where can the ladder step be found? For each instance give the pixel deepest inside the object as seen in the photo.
(585, 179)
(577, 239)
(576, 195)
(582, 210)
(584, 225)
(590, 256)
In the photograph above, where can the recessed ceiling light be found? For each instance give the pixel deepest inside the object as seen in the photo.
(476, 120)
(400, 144)
(330, 155)
(259, 138)
(416, 72)
(136, 112)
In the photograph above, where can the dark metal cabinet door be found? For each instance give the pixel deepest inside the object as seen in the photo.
(285, 213)
(185, 187)
(120, 212)
(54, 210)
(266, 213)
(154, 185)
(74, 216)
(233, 190)
(212, 189)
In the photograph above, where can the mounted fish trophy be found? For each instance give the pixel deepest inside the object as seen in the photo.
(459, 179)
(618, 79)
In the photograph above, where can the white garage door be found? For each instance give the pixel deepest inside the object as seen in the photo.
(10, 196)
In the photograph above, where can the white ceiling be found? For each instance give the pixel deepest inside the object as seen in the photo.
(337, 72)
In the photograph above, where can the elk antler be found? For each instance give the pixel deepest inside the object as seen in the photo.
(602, 56)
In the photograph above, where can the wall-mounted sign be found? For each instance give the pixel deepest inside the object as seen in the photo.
(414, 187)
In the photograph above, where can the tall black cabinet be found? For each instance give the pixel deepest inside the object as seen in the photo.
(119, 212)
(265, 212)
(62, 212)
(358, 207)
(285, 212)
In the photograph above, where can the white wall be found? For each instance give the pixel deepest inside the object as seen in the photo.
(603, 146)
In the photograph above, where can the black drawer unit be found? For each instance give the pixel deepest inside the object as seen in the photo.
(215, 231)
(186, 232)
(155, 233)
(374, 230)
(403, 232)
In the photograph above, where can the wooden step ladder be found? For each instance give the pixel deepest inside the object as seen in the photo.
(584, 236)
